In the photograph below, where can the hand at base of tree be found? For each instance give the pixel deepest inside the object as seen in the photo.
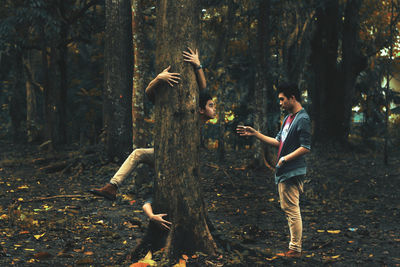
(158, 218)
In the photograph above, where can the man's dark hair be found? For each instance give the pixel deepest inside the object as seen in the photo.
(203, 98)
(289, 89)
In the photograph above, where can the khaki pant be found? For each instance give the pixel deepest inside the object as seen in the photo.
(139, 155)
(289, 193)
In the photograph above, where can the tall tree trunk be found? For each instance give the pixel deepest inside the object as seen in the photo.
(324, 94)
(31, 101)
(17, 103)
(177, 185)
(353, 61)
(264, 155)
(139, 74)
(117, 94)
(47, 112)
(223, 48)
(62, 66)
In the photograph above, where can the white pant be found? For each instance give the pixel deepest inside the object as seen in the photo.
(139, 155)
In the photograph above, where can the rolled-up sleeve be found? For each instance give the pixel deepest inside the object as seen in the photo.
(278, 136)
(304, 129)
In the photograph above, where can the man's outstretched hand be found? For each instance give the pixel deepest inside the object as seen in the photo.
(170, 77)
(245, 130)
(192, 57)
(158, 218)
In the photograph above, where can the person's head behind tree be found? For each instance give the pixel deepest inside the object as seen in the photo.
(289, 90)
(206, 106)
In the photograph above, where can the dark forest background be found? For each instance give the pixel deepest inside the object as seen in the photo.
(340, 53)
(73, 75)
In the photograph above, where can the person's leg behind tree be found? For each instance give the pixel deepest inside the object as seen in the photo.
(139, 155)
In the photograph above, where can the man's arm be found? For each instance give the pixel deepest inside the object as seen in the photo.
(249, 131)
(193, 58)
(294, 155)
(164, 76)
(158, 218)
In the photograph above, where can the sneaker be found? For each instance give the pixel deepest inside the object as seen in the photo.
(109, 191)
(290, 254)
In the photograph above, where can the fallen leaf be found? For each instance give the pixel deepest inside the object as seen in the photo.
(333, 231)
(85, 261)
(139, 264)
(23, 187)
(181, 263)
(39, 236)
(42, 255)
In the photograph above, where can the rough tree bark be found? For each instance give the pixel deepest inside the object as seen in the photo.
(117, 94)
(139, 74)
(177, 185)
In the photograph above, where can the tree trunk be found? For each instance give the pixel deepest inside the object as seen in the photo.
(62, 66)
(17, 103)
(48, 113)
(139, 74)
(324, 93)
(32, 129)
(117, 94)
(353, 61)
(177, 185)
(264, 155)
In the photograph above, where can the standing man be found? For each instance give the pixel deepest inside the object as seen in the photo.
(293, 142)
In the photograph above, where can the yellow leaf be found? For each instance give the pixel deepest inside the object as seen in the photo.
(4, 217)
(321, 231)
(182, 263)
(29, 249)
(127, 197)
(139, 264)
(149, 262)
(333, 231)
(335, 257)
(148, 256)
(23, 187)
(39, 236)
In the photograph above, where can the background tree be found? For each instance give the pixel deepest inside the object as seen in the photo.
(118, 79)
(141, 68)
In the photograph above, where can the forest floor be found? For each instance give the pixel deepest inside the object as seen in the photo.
(350, 210)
